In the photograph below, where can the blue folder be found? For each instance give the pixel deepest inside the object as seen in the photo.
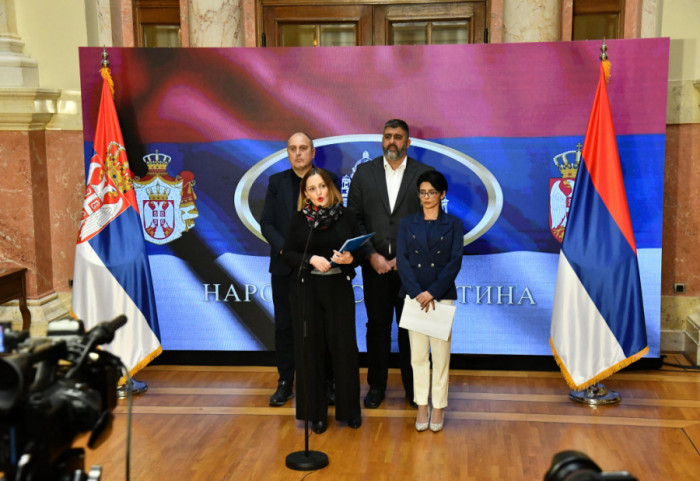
(353, 244)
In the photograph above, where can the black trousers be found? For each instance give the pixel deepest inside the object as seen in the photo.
(284, 333)
(326, 306)
(381, 293)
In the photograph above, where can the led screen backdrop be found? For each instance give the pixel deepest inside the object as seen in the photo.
(205, 128)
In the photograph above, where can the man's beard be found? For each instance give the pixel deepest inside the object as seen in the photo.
(397, 154)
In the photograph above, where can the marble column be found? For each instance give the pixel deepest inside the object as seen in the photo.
(25, 227)
(119, 20)
(496, 22)
(248, 8)
(110, 23)
(215, 23)
(16, 69)
(650, 19)
(531, 21)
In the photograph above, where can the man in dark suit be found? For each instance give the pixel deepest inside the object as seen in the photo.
(280, 203)
(383, 191)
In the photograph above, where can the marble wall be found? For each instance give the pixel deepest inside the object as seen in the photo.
(215, 23)
(532, 21)
(250, 27)
(681, 232)
(66, 191)
(681, 229)
(17, 214)
(25, 222)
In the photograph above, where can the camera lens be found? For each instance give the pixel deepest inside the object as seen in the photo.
(10, 380)
(572, 466)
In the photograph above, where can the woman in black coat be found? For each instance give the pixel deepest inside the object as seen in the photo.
(321, 295)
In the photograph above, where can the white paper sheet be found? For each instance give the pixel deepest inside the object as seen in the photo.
(435, 323)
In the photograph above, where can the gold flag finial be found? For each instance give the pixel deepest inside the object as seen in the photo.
(604, 60)
(106, 73)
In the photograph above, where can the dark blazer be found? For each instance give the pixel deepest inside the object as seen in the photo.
(369, 199)
(321, 243)
(429, 259)
(280, 204)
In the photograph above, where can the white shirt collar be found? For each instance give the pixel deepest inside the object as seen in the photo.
(402, 165)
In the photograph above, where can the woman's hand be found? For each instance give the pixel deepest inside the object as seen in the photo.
(342, 257)
(426, 300)
(320, 263)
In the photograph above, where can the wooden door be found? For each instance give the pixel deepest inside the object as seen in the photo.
(370, 22)
(428, 24)
(316, 26)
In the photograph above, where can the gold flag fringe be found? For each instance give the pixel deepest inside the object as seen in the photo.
(144, 362)
(107, 75)
(601, 375)
(606, 69)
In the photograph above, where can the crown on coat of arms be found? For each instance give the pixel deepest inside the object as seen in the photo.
(157, 162)
(568, 168)
(158, 192)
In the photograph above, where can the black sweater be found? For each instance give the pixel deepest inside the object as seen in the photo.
(322, 241)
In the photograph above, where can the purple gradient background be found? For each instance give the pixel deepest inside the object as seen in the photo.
(196, 95)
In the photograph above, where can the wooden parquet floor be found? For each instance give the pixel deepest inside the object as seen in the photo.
(199, 423)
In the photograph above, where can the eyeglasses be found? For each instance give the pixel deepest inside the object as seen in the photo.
(427, 193)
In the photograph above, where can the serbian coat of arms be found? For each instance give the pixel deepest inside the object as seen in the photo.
(167, 204)
(109, 185)
(561, 189)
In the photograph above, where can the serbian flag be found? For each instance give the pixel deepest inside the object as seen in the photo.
(112, 275)
(598, 322)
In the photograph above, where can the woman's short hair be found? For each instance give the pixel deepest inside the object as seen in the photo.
(334, 194)
(434, 178)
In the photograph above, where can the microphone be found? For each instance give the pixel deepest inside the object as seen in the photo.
(305, 460)
(303, 256)
(103, 333)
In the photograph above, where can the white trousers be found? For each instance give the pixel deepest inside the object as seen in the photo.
(421, 346)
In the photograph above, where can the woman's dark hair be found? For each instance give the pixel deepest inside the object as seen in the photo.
(434, 178)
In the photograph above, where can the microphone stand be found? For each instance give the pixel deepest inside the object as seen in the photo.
(305, 460)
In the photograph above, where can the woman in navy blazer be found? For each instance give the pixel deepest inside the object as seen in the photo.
(428, 259)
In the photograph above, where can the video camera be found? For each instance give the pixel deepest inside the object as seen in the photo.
(576, 466)
(52, 389)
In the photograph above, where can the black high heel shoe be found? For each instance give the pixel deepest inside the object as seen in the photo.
(355, 422)
(319, 427)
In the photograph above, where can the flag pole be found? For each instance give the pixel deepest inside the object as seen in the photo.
(597, 394)
(131, 385)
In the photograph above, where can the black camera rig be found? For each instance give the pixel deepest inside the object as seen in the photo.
(52, 389)
(576, 466)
